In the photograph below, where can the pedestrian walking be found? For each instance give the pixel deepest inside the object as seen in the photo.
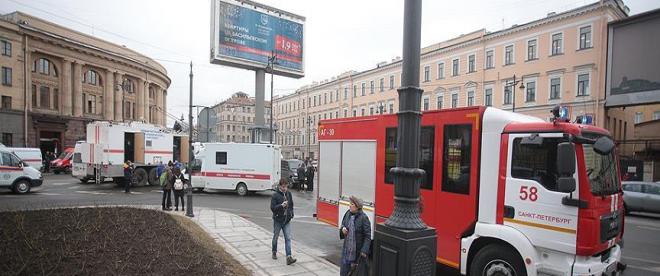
(281, 204)
(178, 184)
(301, 177)
(310, 178)
(356, 233)
(128, 176)
(166, 184)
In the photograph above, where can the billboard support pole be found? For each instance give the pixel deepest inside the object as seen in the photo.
(191, 157)
(259, 95)
(404, 244)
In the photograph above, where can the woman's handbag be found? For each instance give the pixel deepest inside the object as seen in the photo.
(362, 267)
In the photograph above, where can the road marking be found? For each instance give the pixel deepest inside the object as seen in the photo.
(641, 260)
(91, 193)
(137, 193)
(73, 188)
(59, 184)
(649, 228)
(49, 194)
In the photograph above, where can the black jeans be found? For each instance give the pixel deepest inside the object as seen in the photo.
(127, 184)
(310, 184)
(167, 193)
(179, 194)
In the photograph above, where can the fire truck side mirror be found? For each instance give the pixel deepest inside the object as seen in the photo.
(566, 184)
(604, 145)
(566, 159)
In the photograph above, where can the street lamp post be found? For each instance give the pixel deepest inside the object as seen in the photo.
(189, 207)
(513, 84)
(404, 244)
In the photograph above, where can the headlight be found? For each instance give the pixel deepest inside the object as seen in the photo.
(295, 174)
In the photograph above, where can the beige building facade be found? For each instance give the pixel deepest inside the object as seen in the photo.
(56, 80)
(235, 117)
(558, 59)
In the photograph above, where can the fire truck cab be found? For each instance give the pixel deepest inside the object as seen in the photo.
(508, 194)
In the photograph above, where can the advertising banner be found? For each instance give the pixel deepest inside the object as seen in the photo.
(245, 34)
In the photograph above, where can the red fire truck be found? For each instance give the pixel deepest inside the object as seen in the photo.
(506, 193)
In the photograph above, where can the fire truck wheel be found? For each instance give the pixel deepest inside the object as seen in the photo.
(141, 176)
(153, 177)
(241, 189)
(496, 259)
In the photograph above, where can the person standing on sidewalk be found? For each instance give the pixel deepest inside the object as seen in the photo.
(281, 204)
(166, 184)
(178, 185)
(356, 233)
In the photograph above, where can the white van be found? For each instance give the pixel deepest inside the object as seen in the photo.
(236, 166)
(15, 175)
(30, 156)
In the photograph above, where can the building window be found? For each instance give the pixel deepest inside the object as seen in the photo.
(362, 113)
(354, 91)
(530, 91)
(639, 117)
(345, 112)
(371, 110)
(325, 98)
(557, 41)
(91, 103)
(354, 112)
(294, 104)
(6, 76)
(44, 97)
(441, 70)
(426, 104)
(427, 73)
(371, 87)
(471, 63)
(382, 84)
(91, 77)
(470, 98)
(364, 89)
(6, 48)
(488, 97)
(34, 95)
(507, 94)
(454, 100)
(583, 84)
(531, 49)
(6, 102)
(454, 67)
(656, 115)
(508, 55)
(489, 59)
(7, 139)
(555, 88)
(391, 107)
(345, 94)
(585, 37)
(43, 66)
(391, 82)
(314, 101)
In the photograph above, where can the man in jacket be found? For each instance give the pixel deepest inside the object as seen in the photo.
(301, 177)
(281, 204)
(128, 176)
(356, 233)
(167, 189)
(310, 178)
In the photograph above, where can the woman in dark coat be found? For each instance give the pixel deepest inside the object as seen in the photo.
(356, 233)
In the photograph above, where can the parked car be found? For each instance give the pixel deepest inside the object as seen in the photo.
(16, 175)
(639, 196)
(63, 162)
(289, 171)
(29, 156)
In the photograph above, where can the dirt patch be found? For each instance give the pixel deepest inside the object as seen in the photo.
(108, 241)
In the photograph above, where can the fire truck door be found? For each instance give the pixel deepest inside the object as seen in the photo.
(139, 148)
(456, 201)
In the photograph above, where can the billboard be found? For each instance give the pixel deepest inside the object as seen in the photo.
(633, 60)
(245, 34)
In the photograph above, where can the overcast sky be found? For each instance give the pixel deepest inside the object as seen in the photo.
(341, 35)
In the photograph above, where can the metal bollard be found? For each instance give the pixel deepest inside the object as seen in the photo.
(189, 203)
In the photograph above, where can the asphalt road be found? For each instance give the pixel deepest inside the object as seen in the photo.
(642, 231)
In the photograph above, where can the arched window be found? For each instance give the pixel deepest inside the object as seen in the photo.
(92, 77)
(44, 66)
(129, 86)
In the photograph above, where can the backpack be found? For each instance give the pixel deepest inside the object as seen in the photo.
(178, 184)
(163, 178)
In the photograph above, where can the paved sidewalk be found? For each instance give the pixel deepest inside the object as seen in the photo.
(250, 244)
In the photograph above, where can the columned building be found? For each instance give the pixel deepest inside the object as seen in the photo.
(56, 80)
(557, 59)
(234, 117)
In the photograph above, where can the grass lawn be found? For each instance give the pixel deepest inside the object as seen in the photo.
(108, 241)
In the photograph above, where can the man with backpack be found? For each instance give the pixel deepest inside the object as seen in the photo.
(178, 183)
(166, 185)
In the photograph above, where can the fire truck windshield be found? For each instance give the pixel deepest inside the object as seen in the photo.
(601, 171)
